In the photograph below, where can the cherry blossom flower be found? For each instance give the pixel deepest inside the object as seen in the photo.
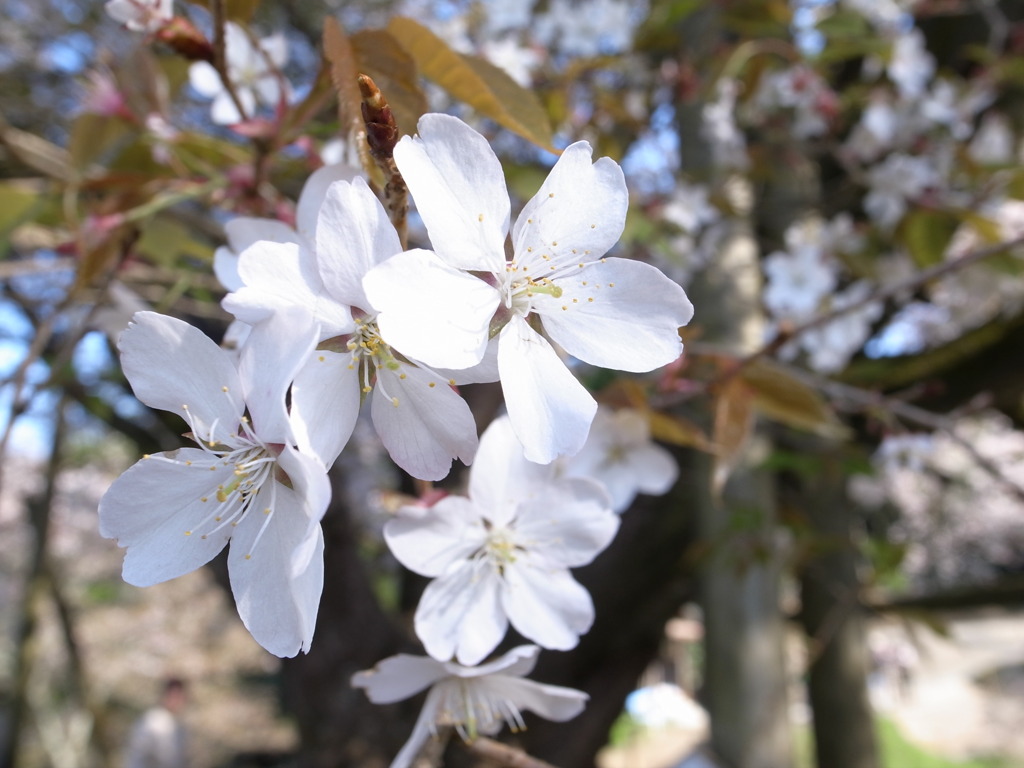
(910, 66)
(421, 420)
(434, 306)
(473, 700)
(503, 554)
(254, 71)
(141, 15)
(893, 182)
(620, 455)
(245, 482)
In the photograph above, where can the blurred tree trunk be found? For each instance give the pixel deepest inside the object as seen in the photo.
(832, 616)
(745, 682)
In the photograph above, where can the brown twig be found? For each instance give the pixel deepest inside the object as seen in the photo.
(382, 135)
(220, 54)
(505, 755)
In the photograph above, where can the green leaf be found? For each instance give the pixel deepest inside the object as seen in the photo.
(476, 82)
(927, 234)
(165, 241)
(92, 136)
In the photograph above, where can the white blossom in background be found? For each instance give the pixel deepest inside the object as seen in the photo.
(994, 142)
(895, 181)
(588, 29)
(953, 106)
(830, 346)
(141, 15)
(799, 278)
(255, 73)
(503, 554)
(422, 422)
(910, 66)
(501, 16)
(887, 14)
(245, 482)
(517, 60)
(473, 700)
(932, 478)
(444, 307)
(802, 90)
(620, 455)
(689, 208)
(719, 128)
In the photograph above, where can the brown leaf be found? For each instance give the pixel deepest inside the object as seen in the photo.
(675, 430)
(734, 422)
(379, 55)
(782, 397)
(344, 70)
(476, 82)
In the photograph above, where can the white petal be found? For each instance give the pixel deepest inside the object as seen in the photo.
(225, 267)
(423, 423)
(267, 365)
(276, 48)
(430, 311)
(517, 662)
(421, 731)
(277, 603)
(430, 541)
(353, 234)
(171, 364)
(150, 507)
(581, 205)
(654, 470)
(307, 210)
(459, 189)
(545, 604)
(483, 372)
(618, 314)
(550, 410)
(460, 614)
(248, 230)
(223, 111)
(204, 79)
(282, 275)
(570, 523)
(501, 476)
(325, 404)
(552, 702)
(268, 90)
(398, 677)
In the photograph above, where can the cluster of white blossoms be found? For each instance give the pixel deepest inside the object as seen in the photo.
(334, 313)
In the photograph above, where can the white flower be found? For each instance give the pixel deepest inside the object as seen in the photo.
(689, 208)
(831, 346)
(141, 15)
(422, 422)
(620, 455)
(587, 29)
(800, 277)
(254, 72)
(719, 128)
(911, 66)
(993, 142)
(893, 182)
(245, 482)
(434, 306)
(473, 700)
(503, 554)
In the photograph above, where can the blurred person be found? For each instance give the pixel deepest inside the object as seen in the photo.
(158, 738)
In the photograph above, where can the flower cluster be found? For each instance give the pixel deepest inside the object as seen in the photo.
(336, 312)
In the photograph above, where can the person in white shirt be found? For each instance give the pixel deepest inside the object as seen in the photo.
(158, 738)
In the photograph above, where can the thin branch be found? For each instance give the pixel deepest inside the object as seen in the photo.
(220, 54)
(884, 292)
(503, 754)
(912, 413)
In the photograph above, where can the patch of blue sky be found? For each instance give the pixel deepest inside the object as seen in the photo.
(69, 53)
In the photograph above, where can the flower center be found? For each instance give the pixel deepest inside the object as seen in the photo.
(475, 706)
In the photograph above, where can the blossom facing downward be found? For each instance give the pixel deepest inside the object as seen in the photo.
(620, 455)
(473, 700)
(254, 70)
(245, 482)
(443, 307)
(503, 554)
(141, 15)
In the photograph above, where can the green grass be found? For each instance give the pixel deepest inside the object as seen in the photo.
(897, 752)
